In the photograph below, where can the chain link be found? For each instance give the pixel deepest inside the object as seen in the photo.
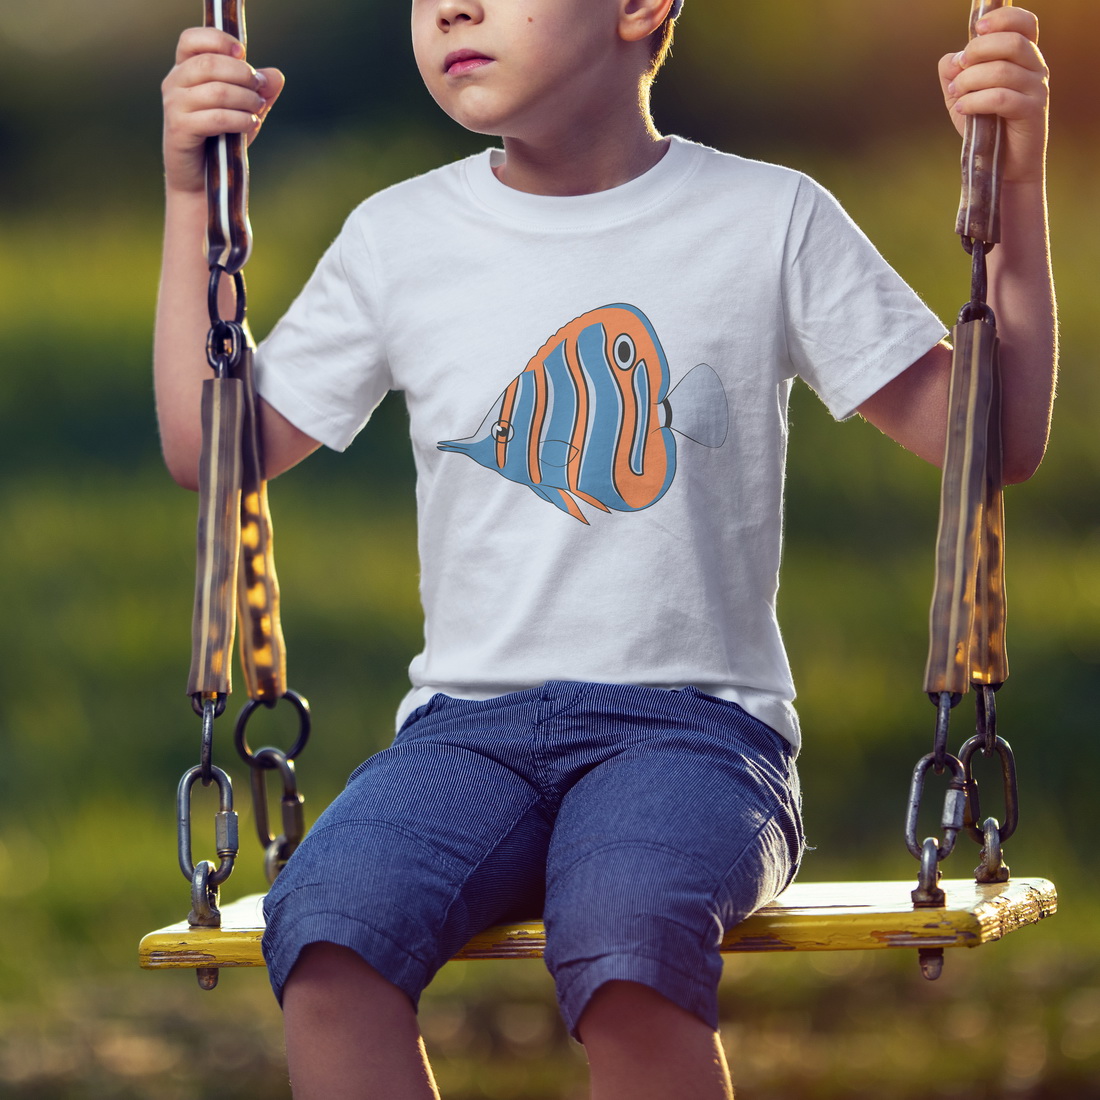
(225, 824)
(305, 726)
(954, 805)
(986, 715)
(204, 897)
(1003, 750)
(945, 702)
(928, 893)
(277, 849)
(992, 867)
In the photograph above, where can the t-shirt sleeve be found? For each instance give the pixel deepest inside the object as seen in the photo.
(852, 322)
(323, 366)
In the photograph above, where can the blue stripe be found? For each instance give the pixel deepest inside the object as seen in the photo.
(605, 419)
(641, 427)
(561, 418)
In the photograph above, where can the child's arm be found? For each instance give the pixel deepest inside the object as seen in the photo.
(1000, 72)
(211, 90)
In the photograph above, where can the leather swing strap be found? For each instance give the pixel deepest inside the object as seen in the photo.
(218, 541)
(235, 560)
(967, 620)
(235, 569)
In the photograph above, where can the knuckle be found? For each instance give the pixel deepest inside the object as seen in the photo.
(221, 120)
(206, 66)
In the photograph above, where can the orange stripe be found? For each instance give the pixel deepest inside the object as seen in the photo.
(506, 408)
(580, 425)
(638, 490)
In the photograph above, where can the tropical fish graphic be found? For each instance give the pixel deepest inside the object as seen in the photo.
(590, 417)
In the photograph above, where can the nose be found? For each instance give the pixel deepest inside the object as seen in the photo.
(452, 12)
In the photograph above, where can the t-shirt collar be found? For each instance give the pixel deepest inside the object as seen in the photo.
(616, 204)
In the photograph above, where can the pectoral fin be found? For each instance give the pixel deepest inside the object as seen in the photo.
(557, 452)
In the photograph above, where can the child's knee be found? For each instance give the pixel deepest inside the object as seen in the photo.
(626, 1007)
(328, 978)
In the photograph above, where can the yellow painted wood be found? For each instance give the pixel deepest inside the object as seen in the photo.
(823, 916)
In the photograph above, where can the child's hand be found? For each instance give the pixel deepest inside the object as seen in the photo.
(211, 90)
(1001, 72)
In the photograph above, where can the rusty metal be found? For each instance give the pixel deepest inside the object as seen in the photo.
(954, 806)
(1003, 751)
(992, 867)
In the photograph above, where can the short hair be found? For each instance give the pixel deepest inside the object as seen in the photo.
(660, 45)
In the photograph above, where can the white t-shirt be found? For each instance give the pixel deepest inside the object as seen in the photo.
(593, 503)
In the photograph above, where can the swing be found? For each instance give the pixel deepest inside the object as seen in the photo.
(236, 568)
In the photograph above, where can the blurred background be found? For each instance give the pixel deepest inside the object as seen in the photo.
(97, 562)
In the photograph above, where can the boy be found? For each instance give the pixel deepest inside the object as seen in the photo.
(595, 331)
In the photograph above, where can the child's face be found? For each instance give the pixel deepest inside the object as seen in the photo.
(528, 69)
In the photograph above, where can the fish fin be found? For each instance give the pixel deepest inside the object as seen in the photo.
(699, 407)
(561, 499)
(557, 452)
(592, 500)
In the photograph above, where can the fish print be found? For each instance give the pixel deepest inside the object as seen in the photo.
(590, 416)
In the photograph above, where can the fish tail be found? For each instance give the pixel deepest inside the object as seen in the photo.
(700, 409)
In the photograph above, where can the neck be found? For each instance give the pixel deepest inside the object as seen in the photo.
(608, 151)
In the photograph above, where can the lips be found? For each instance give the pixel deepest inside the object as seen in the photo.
(458, 62)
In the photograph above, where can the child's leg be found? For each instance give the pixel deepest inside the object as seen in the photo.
(350, 1034)
(431, 841)
(641, 1046)
(685, 827)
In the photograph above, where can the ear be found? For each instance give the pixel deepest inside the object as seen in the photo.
(638, 19)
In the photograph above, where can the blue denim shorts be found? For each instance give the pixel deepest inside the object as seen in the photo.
(639, 822)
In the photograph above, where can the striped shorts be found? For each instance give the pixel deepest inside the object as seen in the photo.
(639, 822)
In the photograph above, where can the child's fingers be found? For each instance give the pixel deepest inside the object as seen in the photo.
(1006, 33)
(1002, 72)
(195, 111)
(999, 72)
(1005, 59)
(1006, 46)
(1017, 20)
(211, 90)
(991, 86)
(271, 88)
(214, 68)
(200, 40)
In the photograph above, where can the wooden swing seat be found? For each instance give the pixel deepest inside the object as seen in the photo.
(820, 916)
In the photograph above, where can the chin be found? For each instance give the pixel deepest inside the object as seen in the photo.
(480, 113)
(476, 123)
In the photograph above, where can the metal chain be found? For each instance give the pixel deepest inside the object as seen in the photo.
(952, 820)
(305, 725)
(225, 824)
(227, 339)
(991, 835)
(277, 849)
(204, 878)
(978, 309)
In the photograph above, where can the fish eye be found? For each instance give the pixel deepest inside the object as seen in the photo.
(503, 431)
(624, 351)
